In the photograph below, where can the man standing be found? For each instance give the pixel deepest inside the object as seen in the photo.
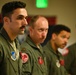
(34, 60)
(70, 59)
(59, 36)
(14, 21)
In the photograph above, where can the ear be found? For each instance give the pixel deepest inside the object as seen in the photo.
(30, 29)
(6, 19)
(54, 36)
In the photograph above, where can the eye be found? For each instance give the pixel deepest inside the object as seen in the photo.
(20, 17)
(40, 30)
(63, 36)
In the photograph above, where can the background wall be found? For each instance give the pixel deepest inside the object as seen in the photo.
(64, 10)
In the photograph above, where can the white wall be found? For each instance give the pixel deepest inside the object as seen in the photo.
(64, 10)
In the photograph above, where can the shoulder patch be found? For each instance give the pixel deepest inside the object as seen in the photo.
(24, 57)
(65, 52)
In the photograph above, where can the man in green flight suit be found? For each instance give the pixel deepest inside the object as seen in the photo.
(34, 60)
(14, 21)
(59, 35)
(70, 59)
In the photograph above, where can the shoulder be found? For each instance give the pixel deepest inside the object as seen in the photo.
(46, 46)
(1, 38)
(25, 48)
(46, 50)
(25, 55)
(70, 50)
(73, 46)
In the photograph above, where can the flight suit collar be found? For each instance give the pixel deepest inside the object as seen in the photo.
(32, 44)
(51, 49)
(58, 54)
(5, 34)
(29, 40)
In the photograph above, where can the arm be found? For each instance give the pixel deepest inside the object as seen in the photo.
(1, 55)
(27, 64)
(69, 59)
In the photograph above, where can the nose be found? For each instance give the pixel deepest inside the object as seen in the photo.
(66, 40)
(45, 33)
(25, 22)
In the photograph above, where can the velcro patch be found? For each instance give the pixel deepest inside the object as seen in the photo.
(24, 57)
(65, 52)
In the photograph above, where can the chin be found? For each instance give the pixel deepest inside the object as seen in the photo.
(22, 32)
(62, 47)
(42, 41)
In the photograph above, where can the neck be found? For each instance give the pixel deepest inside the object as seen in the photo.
(53, 46)
(10, 34)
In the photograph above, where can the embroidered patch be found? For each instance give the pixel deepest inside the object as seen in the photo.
(61, 62)
(24, 57)
(13, 55)
(65, 52)
(58, 64)
(40, 60)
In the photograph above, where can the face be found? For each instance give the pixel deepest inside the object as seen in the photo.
(61, 39)
(39, 32)
(18, 21)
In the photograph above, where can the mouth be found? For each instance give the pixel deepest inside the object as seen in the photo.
(22, 28)
(63, 45)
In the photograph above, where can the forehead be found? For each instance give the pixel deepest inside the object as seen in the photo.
(41, 19)
(41, 22)
(64, 33)
(20, 11)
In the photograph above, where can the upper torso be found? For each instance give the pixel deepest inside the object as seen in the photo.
(8, 64)
(70, 59)
(36, 63)
(53, 61)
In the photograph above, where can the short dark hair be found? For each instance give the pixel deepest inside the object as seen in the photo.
(57, 29)
(60, 27)
(9, 7)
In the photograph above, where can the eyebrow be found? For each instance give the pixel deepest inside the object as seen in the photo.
(22, 16)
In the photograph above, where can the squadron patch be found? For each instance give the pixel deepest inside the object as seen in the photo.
(61, 62)
(24, 57)
(65, 52)
(40, 60)
(13, 55)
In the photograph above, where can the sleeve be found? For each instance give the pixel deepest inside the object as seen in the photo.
(27, 63)
(1, 54)
(69, 59)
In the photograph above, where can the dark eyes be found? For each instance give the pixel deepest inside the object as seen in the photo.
(65, 37)
(21, 17)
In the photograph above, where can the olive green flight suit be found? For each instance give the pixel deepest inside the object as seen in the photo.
(70, 59)
(55, 61)
(33, 66)
(9, 65)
